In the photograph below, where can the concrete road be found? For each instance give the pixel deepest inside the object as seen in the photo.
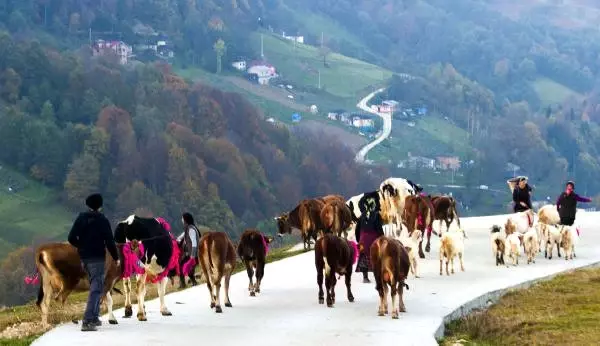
(387, 126)
(287, 311)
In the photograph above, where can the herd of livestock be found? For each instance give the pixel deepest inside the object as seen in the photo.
(329, 221)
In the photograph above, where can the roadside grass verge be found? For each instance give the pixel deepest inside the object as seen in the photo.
(561, 311)
(20, 325)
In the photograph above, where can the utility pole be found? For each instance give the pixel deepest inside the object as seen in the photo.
(90, 36)
(262, 52)
(322, 39)
(319, 79)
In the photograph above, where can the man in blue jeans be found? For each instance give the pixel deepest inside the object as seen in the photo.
(91, 235)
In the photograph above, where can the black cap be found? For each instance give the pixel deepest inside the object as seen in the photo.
(94, 201)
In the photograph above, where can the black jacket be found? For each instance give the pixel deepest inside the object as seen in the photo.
(91, 235)
(374, 222)
(522, 195)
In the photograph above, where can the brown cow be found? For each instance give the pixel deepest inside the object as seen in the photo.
(390, 267)
(336, 217)
(252, 249)
(306, 217)
(217, 260)
(418, 215)
(333, 255)
(331, 198)
(444, 209)
(61, 272)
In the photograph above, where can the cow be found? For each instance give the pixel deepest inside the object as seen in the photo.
(306, 217)
(156, 256)
(252, 250)
(61, 272)
(336, 217)
(390, 267)
(418, 215)
(331, 198)
(395, 191)
(444, 209)
(217, 260)
(334, 255)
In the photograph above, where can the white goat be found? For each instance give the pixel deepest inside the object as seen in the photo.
(532, 244)
(569, 238)
(452, 244)
(513, 246)
(411, 244)
(551, 237)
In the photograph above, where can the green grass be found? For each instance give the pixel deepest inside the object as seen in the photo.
(431, 137)
(561, 311)
(29, 314)
(31, 211)
(551, 92)
(345, 77)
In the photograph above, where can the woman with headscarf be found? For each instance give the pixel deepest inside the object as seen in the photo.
(368, 228)
(188, 241)
(522, 196)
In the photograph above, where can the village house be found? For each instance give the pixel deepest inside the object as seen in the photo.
(362, 122)
(387, 106)
(414, 162)
(298, 39)
(263, 71)
(239, 65)
(448, 163)
(120, 48)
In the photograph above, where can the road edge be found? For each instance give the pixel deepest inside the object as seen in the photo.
(490, 298)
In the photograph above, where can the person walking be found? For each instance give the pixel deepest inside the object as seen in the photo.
(92, 236)
(522, 196)
(188, 241)
(566, 204)
(368, 228)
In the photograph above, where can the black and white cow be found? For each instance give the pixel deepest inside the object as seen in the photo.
(156, 257)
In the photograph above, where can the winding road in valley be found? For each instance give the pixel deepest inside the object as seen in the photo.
(385, 132)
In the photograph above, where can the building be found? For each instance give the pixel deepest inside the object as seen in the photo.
(314, 109)
(387, 106)
(363, 122)
(448, 163)
(263, 71)
(298, 39)
(239, 65)
(120, 48)
(332, 116)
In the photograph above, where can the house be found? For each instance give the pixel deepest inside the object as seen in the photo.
(346, 118)
(120, 48)
(263, 71)
(387, 106)
(414, 162)
(362, 122)
(239, 65)
(445, 163)
(298, 39)
(332, 116)
(314, 109)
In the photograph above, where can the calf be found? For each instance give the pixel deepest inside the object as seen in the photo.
(531, 244)
(418, 215)
(217, 260)
(444, 209)
(334, 255)
(390, 267)
(568, 240)
(452, 245)
(61, 272)
(252, 250)
(498, 242)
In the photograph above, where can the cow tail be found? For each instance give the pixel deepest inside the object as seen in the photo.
(40, 297)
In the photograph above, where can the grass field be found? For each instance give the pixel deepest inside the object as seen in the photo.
(299, 63)
(21, 325)
(551, 92)
(431, 136)
(562, 311)
(30, 211)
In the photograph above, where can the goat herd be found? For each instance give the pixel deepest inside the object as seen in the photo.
(329, 221)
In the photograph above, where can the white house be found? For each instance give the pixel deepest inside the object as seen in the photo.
(314, 109)
(299, 39)
(239, 65)
(263, 71)
(362, 122)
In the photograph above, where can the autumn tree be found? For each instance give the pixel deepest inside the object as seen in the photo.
(138, 197)
(219, 48)
(83, 179)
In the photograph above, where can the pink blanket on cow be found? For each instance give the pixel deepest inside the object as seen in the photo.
(354, 247)
(265, 243)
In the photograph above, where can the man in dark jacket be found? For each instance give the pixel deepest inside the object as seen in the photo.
(91, 235)
(567, 204)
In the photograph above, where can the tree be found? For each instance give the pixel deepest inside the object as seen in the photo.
(10, 83)
(219, 48)
(47, 113)
(138, 197)
(83, 179)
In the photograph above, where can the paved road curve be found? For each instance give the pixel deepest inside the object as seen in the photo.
(387, 126)
(287, 313)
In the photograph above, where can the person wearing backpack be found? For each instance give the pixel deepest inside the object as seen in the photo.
(188, 240)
